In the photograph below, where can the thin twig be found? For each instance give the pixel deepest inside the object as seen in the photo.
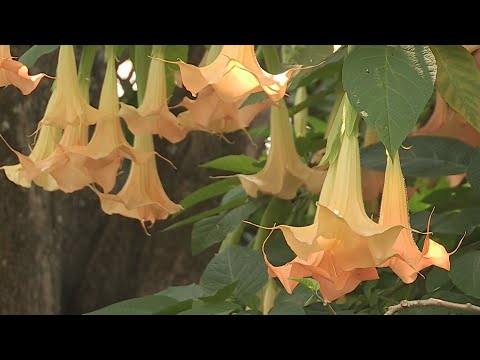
(405, 304)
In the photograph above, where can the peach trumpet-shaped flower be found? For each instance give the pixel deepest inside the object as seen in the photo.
(284, 173)
(66, 105)
(153, 115)
(234, 74)
(142, 197)
(13, 72)
(408, 260)
(208, 112)
(102, 156)
(333, 280)
(45, 144)
(341, 225)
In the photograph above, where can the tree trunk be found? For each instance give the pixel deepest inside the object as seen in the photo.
(59, 253)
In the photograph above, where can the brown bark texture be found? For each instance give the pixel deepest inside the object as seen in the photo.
(59, 253)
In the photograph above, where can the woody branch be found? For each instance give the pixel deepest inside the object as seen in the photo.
(432, 302)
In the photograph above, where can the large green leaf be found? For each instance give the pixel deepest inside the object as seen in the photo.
(182, 293)
(389, 86)
(204, 308)
(426, 156)
(213, 230)
(210, 191)
(453, 222)
(147, 305)
(458, 81)
(236, 263)
(473, 173)
(241, 164)
(30, 57)
(307, 55)
(448, 199)
(465, 273)
(204, 214)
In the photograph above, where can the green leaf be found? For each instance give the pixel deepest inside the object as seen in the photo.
(147, 305)
(465, 273)
(310, 284)
(173, 53)
(389, 86)
(221, 294)
(240, 164)
(203, 308)
(473, 173)
(458, 81)
(213, 230)
(448, 199)
(436, 279)
(197, 217)
(287, 308)
(210, 191)
(308, 55)
(236, 263)
(331, 67)
(30, 57)
(141, 64)
(428, 156)
(453, 222)
(254, 98)
(182, 293)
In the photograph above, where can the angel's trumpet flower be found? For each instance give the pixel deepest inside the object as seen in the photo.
(153, 115)
(284, 173)
(142, 197)
(13, 72)
(408, 260)
(234, 74)
(48, 139)
(66, 105)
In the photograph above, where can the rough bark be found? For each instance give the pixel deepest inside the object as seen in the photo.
(59, 253)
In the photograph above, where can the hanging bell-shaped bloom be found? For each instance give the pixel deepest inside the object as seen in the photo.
(284, 173)
(45, 144)
(372, 180)
(103, 155)
(208, 112)
(333, 280)
(13, 72)
(142, 197)
(153, 115)
(234, 74)
(341, 225)
(408, 260)
(66, 105)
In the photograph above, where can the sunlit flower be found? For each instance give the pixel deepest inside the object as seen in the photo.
(66, 105)
(153, 115)
(142, 197)
(284, 173)
(341, 225)
(408, 260)
(45, 144)
(234, 74)
(208, 112)
(333, 280)
(13, 72)
(445, 122)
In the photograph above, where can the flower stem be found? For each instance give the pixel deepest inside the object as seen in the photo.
(300, 118)
(269, 217)
(142, 64)
(271, 59)
(85, 69)
(232, 238)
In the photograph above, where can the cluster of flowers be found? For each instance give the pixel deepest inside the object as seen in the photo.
(340, 249)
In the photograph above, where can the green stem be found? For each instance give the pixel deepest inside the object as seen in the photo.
(268, 219)
(213, 53)
(85, 69)
(141, 64)
(300, 118)
(232, 238)
(271, 59)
